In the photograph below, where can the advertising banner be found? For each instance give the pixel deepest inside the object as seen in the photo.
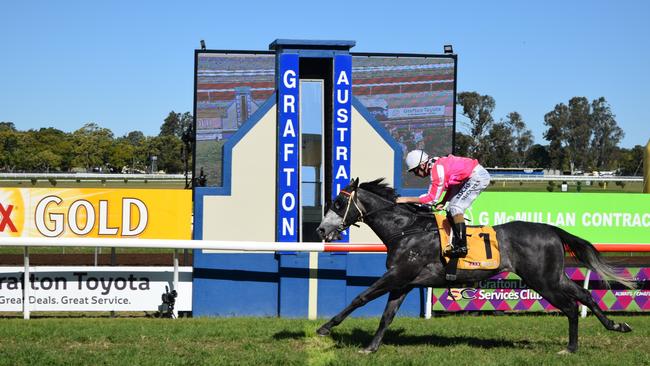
(598, 217)
(288, 145)
(94, 288)
(342, 127)
(95, 213)
(507, 292)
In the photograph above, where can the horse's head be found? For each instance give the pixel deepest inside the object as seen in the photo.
(344, 211)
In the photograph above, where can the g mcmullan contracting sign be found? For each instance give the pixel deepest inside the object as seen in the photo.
(288, 145)
(342, 126)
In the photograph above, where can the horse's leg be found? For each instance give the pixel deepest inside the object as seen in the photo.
(556, 294)
(380, 287)
(395, 300)
(582, 295)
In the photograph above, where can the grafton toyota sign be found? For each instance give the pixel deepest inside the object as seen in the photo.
(96, 213)
(93, 288)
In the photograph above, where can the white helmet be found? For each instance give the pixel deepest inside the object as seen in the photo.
(415, 158)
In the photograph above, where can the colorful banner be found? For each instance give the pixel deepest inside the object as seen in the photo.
(597, 217)
(95, 213)
(507, 292)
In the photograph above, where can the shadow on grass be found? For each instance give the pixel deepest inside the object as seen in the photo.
(285, 334)
(361, 338)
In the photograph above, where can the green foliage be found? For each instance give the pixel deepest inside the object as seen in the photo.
(630, 161)
(462, 144)
(582, 135)
(551, 186)
(175, 124)
(478, 110)
(92, 147)
(538, 156)
(501, 147)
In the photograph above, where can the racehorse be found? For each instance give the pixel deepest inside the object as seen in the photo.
(534, 251)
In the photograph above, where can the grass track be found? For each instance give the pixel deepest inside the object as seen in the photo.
(463, 340)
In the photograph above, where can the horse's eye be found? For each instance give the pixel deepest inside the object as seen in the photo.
(337, 205)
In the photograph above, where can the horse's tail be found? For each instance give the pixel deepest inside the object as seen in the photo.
(589, 255)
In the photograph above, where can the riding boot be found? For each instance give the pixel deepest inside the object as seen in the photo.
(459, 249)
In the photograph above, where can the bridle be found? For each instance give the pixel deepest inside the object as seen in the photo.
(363, 213)
(354, 200)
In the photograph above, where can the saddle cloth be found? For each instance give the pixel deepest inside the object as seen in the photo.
(482, 245)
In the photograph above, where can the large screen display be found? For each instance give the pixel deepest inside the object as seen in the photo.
(412, 97)
(230, 87)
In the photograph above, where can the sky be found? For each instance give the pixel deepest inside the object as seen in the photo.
(126, 64)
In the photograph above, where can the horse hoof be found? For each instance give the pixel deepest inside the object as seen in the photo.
(624, 328)
(323, 332)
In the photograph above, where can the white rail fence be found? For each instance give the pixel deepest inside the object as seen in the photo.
(252, 246)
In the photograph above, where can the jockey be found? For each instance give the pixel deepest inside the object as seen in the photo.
(462, 178)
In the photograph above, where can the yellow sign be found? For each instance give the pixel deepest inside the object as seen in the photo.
(96, 213)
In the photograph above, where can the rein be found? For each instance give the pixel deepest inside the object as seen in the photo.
(353, 199)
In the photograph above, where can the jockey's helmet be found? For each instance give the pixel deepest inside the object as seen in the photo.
(415, 158)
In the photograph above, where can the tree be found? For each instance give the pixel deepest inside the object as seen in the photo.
(55, 142)
(630, 161)
(462, 144)
(175, 124)
(122, 154)
(9, 145)
(582, 135)
(501, 146)
(167, 150)
(569, 133)
(478, 109)
(135, 138)
(7, 126)
(92, 146)
(522, 138)
(538, 156)
(606, 133)
(579, 133)
(557, 120)
(45, 160)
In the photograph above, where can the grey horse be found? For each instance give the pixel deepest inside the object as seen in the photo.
(534, 251)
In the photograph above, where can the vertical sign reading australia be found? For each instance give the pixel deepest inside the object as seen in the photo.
(288, 145)
(342, 126)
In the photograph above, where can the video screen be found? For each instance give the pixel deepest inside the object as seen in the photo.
(412, 97)
(230, 87)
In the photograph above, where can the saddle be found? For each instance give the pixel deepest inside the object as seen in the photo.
(482, 248)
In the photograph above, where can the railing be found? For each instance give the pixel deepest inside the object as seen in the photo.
(91, 176)
(568, 178)
(256, 246)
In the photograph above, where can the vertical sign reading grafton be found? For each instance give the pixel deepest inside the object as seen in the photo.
(342, 126)
(288, 144)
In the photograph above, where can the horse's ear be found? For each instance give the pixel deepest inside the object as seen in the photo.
(355, 182)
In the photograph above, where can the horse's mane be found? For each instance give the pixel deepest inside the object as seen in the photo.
(380, 188)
